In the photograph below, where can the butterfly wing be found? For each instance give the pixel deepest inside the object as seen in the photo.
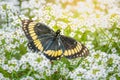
(33, 29)
(72, 48)
(40, 44)
(38, 34)
(42, 38)
(54, 50)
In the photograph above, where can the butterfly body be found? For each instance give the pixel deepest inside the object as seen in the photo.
(52, 44)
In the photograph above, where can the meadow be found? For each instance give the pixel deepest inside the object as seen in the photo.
(95, 23)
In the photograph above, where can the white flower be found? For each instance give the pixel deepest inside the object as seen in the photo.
(24, 66)
(52, 23)
(61, 24)
(72, 34)
(2, 77)
(113, 78)
(38, 76)
(27, 78)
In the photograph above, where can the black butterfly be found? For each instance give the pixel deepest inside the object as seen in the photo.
(52, 44)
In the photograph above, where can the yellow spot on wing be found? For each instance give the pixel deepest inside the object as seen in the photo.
(59, 52)
(75, 50)
(66, 53)
(38, 44)
(34, 37)
(84, 51)
(56, 52)
(33, 34)
(79, 46)
(25, 23)
(40, 47)
(53, 53)
(48, 52)
(31, 31)
(32, 24)
(69, 52)
(72, 51)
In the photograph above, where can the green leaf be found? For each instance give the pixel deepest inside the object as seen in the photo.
(110, 62)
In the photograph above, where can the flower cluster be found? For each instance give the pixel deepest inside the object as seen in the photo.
(95, 23)
(97, 66)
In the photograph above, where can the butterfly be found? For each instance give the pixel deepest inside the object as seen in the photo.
(52, 44)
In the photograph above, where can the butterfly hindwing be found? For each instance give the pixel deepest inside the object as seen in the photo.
(54, 50)
(73, 49)
(32, 46)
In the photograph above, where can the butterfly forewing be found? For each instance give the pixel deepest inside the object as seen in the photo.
(33, 29)
(25, 27)
(41, 29)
